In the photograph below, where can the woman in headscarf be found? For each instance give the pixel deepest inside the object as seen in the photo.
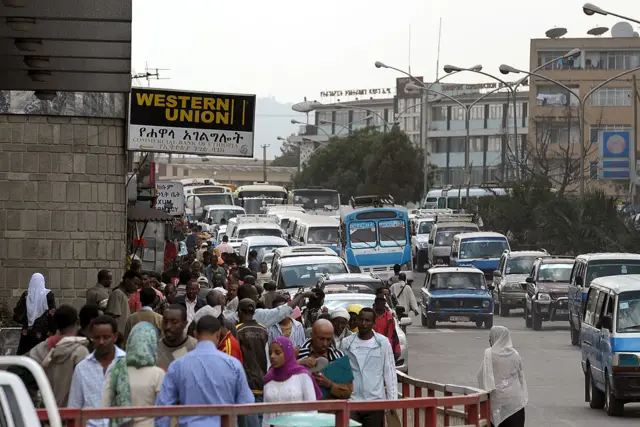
(34, 312)
(286, 380)
(135, 380)
(502, 374)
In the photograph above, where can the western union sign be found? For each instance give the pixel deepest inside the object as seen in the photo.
(217, 124)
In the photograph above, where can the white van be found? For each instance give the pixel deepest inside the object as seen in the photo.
(262, 245)
(317, 230)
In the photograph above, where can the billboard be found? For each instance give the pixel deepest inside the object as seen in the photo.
(615, 154)
(201, 123)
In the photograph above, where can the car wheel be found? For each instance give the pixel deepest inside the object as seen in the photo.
(504, 310)
(527, 319)
(479, 323)
(536, 321)
(612, 406)
(423, 318)
(575, 335)
(596, 397)
(431, 323)
(488, 324)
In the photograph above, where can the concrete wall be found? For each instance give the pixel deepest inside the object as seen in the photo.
(62, 203)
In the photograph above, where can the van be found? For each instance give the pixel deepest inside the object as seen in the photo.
(441, 236)
(481, 250)
(317, 230)
(261, 244)
(301, 251)
(588, 267)
(610, 335)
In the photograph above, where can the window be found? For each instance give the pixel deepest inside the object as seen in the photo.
(613, 60)
(438, 113)
(476, 144)
(342, 120)
(556, 96)
(518, 110)
(495, 144)
(590, 306)
(595, 131)
(456, 145)
(495, 111)
(628, 312)
(612, 97)
(358, 117)
(458, 113)
(602, 298)
(402, 105)
(363, 234)
(557, 133)
(477, 112)
(558, 64)
(440, 145)
(392, 233)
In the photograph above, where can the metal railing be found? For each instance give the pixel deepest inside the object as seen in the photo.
(421, 403)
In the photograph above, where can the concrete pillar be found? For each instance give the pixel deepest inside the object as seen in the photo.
(62, 203)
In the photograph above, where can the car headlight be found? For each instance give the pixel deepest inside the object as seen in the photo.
(544, 297)
(406, 266)
(485, 304)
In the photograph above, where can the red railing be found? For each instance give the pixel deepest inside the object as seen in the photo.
(458, 406)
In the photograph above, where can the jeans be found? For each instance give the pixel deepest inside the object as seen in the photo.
(256, 419)
(369, 418)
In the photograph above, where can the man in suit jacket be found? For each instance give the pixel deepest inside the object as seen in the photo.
(191, 300)
(148, 299)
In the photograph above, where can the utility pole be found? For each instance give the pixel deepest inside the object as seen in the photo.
(264, 161)
(634, 168)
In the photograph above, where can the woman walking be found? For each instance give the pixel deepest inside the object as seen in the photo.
(135, 379)
(34, 312)
(502, 374)
(286, 380)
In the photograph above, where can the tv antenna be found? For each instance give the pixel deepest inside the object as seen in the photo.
(150, 74)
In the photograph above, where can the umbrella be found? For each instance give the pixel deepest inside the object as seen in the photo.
(308, 420)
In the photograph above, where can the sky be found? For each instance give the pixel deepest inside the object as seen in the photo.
(289, 50)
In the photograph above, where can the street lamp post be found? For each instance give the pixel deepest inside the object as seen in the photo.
(424, 117)
(368, 111)
(592, 9)
(347, 126)
(298, 122)
(467, 108)
(506, 69)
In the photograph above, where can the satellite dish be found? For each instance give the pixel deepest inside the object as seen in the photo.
(622, 29)
(556, 33)
(306, 106)
(597, 31)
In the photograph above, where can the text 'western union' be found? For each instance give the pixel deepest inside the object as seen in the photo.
(191, 109)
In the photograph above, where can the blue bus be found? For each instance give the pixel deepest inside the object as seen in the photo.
(374, 236)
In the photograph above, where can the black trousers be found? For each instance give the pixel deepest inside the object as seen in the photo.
(515, 420)
(369, 418)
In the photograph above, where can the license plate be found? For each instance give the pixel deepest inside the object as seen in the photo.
(459, 319)
(562, 312)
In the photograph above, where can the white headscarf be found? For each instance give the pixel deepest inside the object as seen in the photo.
(36, 298)
(502, 374)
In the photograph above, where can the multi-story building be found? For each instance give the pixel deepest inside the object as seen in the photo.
(554, 133)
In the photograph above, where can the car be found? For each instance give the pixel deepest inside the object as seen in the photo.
(421, 227)
(513, 269)
(547, 291)
(293, 273)
(334, 301)
(261, 244)
(456, 294)
(302, 251)
(351, 280)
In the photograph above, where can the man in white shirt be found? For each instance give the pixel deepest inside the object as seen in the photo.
(404, 295)
(370, 352)
(225, 247)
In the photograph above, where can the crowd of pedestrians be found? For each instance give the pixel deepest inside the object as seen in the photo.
(205, 332)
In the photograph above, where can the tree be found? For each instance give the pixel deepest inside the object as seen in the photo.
(367, 162)
(289, 155)
(554, 154)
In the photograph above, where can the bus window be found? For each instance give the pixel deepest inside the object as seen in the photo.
(442, 203)
(362, 234)
(392, 233)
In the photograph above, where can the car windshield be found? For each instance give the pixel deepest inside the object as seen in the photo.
(363, 234)
(444, 236)
(294, 276)
(248, 232)
(457, 280)
(392, 233)
(555, 272)
(218, 214)
(520, 265)
(611, 268)
(629, 312)
(474, 249)
(263, 250)
(334, 304)
(323, 235)
(425, 227)
(316, 199)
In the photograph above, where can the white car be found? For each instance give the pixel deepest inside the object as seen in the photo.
(420, 241)
(334, 301)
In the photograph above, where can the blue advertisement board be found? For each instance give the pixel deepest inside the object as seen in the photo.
(615, 155)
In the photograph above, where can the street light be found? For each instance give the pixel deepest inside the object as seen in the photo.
(347, 126)
(591, 9)
(451, 68)
(467, 108)
(506, 69)
(298, 122)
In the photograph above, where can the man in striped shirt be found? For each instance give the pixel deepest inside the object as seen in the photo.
(321, 345)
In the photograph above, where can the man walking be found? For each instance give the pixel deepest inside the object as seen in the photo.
(225, 247)
(205, 376)
(385, 324)
(370, 352)
(404, 295)
(99, 294)
(148, 299)
(175, 342)
(191, 300)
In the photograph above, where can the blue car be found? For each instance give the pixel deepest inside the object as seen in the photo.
(456, 294)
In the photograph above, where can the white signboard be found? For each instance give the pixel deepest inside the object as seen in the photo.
(170, 194)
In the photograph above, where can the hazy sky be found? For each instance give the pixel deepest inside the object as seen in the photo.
(291, 49)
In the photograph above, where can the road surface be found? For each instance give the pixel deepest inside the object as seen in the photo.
(452, 354)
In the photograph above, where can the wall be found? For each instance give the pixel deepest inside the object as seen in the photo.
(62, 203)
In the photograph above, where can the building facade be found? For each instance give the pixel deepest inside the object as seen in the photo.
(555, 128)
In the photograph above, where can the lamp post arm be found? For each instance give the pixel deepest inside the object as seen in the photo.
(319, 128)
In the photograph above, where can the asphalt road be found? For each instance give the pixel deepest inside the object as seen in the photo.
(452, 354)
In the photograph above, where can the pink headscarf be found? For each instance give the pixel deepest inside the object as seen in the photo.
(290, 367)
